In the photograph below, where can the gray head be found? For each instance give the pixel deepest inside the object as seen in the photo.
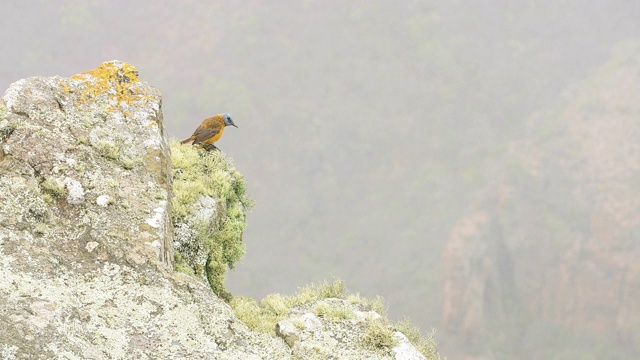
(228, 120)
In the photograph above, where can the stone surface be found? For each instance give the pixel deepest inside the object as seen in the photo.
(335, 329)
(404, 350)
(185, 239)
(85, 232)
(288, 332)
(94, 134)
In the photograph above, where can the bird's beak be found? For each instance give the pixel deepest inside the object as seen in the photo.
(234, 125)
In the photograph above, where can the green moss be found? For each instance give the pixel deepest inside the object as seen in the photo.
(108, 149)
(198, 174)
(262, 316)
(112, 182)
(201, 173)
(299, 323)
(3, 110)
(82, 141)
(216, 267)
(181, 265)
(41, 228)
(253, 315)
(47, 198)
(114, 151)
(276, 304)
(128, 163)
(53, 189)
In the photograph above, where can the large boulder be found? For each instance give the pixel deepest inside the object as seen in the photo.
(85, 233)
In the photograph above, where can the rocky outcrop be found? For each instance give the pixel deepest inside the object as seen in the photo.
(88, 196)
(338, 328)
(209, 214)
(85, 233)
(87, 158)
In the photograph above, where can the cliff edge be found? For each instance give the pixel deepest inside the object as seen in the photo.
(86, 253)
(95, 221)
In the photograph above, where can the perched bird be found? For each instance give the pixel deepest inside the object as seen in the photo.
(210, 131)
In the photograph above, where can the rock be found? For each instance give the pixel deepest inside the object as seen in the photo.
(311, 322)
(209, 210)
(76, 139)
(404, 350)
(186, 240)
(367, 315)
(288, 332)
(340, 329)
(469, 265)
(85, 233)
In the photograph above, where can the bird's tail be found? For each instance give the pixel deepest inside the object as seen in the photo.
(187, 140)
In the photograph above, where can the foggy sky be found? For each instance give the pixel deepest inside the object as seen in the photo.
(367, 129)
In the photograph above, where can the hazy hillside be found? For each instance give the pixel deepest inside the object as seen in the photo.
(369, 131)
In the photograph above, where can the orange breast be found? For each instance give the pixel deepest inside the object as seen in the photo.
(214, 138)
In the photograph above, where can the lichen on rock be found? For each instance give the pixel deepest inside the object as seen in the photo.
(88, 203)
(52, 127)
(86, 250)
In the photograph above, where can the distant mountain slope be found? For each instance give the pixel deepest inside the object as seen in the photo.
(552, 247)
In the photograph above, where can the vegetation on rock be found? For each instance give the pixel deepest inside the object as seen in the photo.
(209, 241)
(213, 240)
(378, 333)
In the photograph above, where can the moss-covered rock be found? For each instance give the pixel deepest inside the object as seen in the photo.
(209, 214)
(324, 321)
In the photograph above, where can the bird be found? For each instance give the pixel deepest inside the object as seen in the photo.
(210, 131)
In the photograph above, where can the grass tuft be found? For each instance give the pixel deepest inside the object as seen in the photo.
(378, 305)
(53, 189)
(108, 149)
(379, 335)
(334, 313)
(264, 315)
(424, 343)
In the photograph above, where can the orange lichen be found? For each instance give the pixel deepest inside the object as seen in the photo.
(108, 77)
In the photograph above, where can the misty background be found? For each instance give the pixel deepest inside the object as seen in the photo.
(475, 163)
